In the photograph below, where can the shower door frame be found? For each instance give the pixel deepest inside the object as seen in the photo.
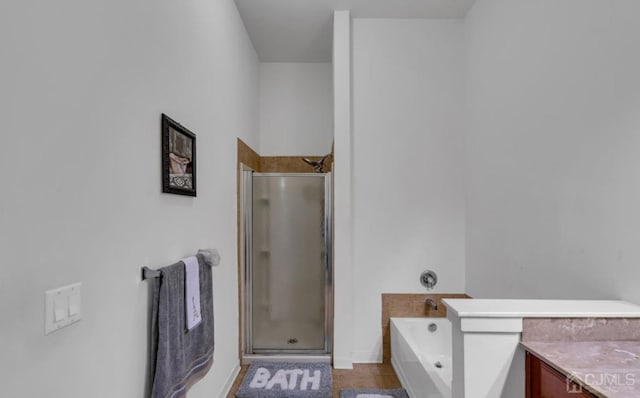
(247, 242)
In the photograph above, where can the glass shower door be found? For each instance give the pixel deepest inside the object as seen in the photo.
(288, 263)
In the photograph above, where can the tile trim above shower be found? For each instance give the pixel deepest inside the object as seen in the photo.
(279, 164)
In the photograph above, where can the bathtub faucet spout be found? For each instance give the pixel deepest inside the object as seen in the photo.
(431, 304)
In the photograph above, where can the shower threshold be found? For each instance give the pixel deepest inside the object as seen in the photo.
(248, 359)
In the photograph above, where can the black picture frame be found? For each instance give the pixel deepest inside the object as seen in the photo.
(178, 158)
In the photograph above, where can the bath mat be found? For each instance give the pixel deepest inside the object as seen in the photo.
(286, 379)
(397, 393)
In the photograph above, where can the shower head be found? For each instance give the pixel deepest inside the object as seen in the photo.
(318, 166)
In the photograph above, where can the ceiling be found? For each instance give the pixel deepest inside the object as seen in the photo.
(300, 30)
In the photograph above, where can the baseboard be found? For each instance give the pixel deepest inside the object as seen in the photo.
(342, 363)
(367, 357)
(229, 383)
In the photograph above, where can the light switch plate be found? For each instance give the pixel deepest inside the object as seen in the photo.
(62, 307)
(74, 304)
(59, 308)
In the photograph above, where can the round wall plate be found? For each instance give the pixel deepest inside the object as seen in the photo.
(428, 279)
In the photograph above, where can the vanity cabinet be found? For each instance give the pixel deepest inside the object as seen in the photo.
(543, 381)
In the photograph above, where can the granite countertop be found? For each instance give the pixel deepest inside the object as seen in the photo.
(523, 308)
(608, 369)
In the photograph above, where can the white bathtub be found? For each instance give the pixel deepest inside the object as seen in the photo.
(415, 353)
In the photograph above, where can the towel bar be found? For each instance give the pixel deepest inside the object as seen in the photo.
(211, 258)
(148, 273)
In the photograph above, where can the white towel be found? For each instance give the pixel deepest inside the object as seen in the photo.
(192, 292)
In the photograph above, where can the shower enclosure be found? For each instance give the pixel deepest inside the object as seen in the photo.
(287, 263)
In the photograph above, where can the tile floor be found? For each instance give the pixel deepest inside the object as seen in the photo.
(361, 376)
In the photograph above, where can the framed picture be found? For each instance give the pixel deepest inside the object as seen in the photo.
(178, 158)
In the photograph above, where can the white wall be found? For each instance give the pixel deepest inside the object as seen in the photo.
(296, 109)
(83, 86)
(554, 186)
(408, 104)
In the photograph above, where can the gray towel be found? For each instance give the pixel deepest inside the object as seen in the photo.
(179, 358)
